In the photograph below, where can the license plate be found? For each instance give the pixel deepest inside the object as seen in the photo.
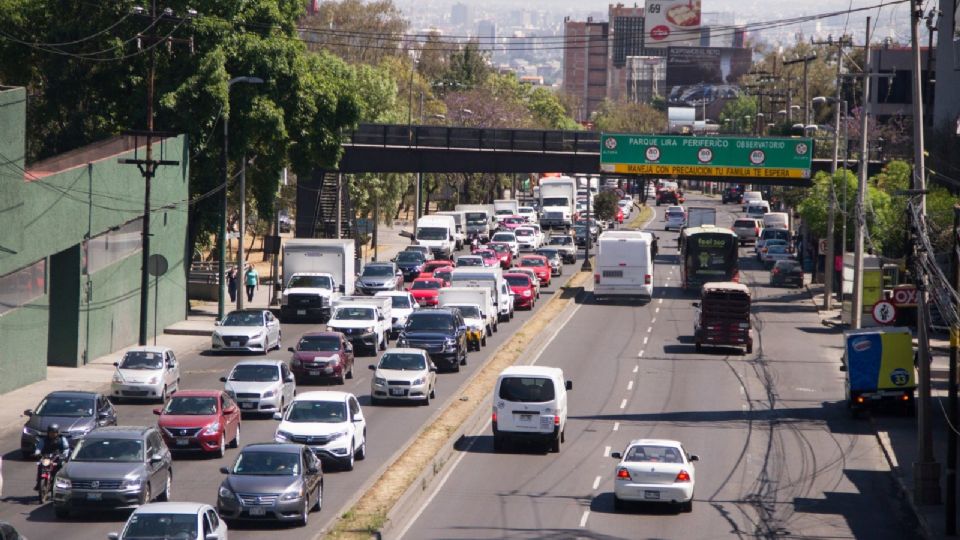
(397, 392)
(234, 344)
(258, 511)
(651, 494)
(313, 372)
(94, 496)
(246, 405)
(182, 441)
(301, 312)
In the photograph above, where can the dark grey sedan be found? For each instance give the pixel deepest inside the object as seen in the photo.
(114, 467)
(272, 481)
(554, 257)
(75, 412)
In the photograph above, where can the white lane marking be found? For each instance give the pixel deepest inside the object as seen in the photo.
(596, 482)
(645, 340)
(657, 310)
(649, 329)
(639, 354)
(606, 451)
(583, 518)
(636, 369)
(653, 320)
(660, 301)
(885, 438)
(623, 404)
(616, 426)
(630, 385)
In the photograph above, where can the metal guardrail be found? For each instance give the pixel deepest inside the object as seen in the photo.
(467, 138)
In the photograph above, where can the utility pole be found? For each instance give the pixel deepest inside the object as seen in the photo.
(856, 304)
(242, 230)
(339, 205)
(926, 471)
(806, 84)
(148, 165)
(951, 510)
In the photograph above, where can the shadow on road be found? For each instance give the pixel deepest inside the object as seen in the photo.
(603, 504)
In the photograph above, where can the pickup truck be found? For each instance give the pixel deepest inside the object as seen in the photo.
(365, 320)
(747, 229)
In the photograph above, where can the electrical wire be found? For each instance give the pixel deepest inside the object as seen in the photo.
(83, 39)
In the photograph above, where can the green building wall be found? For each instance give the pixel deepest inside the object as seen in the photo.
(48, 212)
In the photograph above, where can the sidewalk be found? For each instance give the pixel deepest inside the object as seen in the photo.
(897, 435)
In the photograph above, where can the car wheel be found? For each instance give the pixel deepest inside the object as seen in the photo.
(463, 359)
(236, 439)
(167, 494)
(687, 507)
(555, 444)
(498, 443)
(222, 449)
(483, 341)
(304, 519)
(426, 400)
(433, 392)
(318, 500)
(348, 464)
(342, 379)
(699, 347)
(362, 451)
(147, 494)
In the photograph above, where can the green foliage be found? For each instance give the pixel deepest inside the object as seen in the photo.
(366, 31)
(735, 114)
(467, 68)
(605, 205)
(629, 117)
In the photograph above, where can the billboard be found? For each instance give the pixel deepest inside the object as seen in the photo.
(672, 23)
(705, 77)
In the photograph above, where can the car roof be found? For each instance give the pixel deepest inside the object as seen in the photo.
(381, 293)
(118, 431)
(378, 264)
(424, 311)
(322, 395)
(172, 508)
(656, 442)
(197, 393)
(532, 371)
(405, 350)
(285, 448)
(263, 361)
(73, 393)
(321, 334)
(148, 348)
(726, 286)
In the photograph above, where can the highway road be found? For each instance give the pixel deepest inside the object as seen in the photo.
(780, 456)
(198, 478)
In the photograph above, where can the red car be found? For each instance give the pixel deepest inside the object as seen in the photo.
(426, 291)
(510, 223)
(325, 356)
(525, 296)
(200, 420)
(430, 267)
(619, 215)
(540, 266)
(490, 257)
(443, 274)
(503, 252)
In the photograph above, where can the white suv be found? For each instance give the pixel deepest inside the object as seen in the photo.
(330, 423)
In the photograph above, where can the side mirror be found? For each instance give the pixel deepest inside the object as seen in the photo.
(348, 348)
(358, 417)
(433, 369)
(278, 416)
(569, 385)
(310, 470)
(230, 410)
(372, 367)
(224, 470)
(156, 458)
(616, 455)
(156, 411)
(223, 379)
(340, 289)
(106, 414)
(218, 323)
(113, 536)
(291, 349)
(290, 378)
(211, 536)
(116, 364)
(695, 304)
(28, 412)
(693, 457)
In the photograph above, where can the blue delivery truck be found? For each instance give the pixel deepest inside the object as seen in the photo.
(879, 368)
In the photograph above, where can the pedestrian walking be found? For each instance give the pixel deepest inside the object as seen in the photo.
(252, 281)
(232, 284)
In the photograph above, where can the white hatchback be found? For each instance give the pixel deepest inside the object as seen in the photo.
(654, 471)
(146, 373)
(508, 238)
(182, 520)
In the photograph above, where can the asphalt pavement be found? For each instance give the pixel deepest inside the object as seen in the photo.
(779, 455)
(197, 478)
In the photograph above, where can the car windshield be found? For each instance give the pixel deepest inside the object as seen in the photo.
(403, 361)
(442, 274)
(377, 271)
(517, 281)
(400, 302)
(319, 343)
(354, 314)
(431, 233)
(499, 237)
(469, 261)
(267, 464)
(779, 248)
(548, 253)
(526, 389)
(65, 406)
(312, 282)
(554, 201)
(244, 318)
(142, 360)
(469, 312)
(653, 454)
(425, 285)
(775, 242)
(409, 257)
(430, 322)
(787, 266)
(486, 253)
(110, 450)
(504, 212)
(325, 412)
(476, 218)
(561, 241)
(191, 405)
(523, 232)
(500, 248)
(531, 262)
(150, 526)
(749, 223)
(780, 234)
(255, 373)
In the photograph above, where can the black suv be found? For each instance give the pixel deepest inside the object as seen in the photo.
(441, 332)
(731, 194)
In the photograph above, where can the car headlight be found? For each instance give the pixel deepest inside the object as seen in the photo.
(338, 435)
(131, 483)
(417, 382)
(117, 378)
(292, 494)
(212, 429)
(225, 493)
(232, 394)
(369, 330)
(269, 394)
(526, 293)
(63, 483)
(259, 334)
(282, 436)
(32, 432)
(379, 381)
(153, 380)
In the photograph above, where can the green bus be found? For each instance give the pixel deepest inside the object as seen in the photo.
(708, 253)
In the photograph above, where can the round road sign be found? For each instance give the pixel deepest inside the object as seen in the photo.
(884, 312)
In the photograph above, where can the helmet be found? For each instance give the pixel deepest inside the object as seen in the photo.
(53, 429)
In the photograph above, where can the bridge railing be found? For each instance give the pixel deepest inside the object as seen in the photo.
(468, 138)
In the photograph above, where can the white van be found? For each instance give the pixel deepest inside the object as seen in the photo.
(758, 209)
(624, 265)
(776, 220)
(530, 403)
(491, 278)
(751, 197)
(438, 233)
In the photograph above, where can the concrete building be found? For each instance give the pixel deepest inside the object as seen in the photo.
(946, 107)
(585, 57)
(626, 37)
(646, 78)
(70, 248)
(460, 15)
(487, 33)
(893, 95)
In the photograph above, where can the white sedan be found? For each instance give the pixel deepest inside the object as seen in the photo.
(182, 520)
(403, 374)
(254, 330)
(654, 470)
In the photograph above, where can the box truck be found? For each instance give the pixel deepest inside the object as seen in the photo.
(315, 272)
(479, 219)
(558, 199)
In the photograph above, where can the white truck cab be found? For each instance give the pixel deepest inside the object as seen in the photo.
(364, 320)
(437, 233)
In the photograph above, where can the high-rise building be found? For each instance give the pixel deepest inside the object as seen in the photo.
(487, 33)
(585, 56)
(460, 14)
(626, 37)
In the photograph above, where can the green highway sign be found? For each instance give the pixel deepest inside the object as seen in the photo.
(720, 156)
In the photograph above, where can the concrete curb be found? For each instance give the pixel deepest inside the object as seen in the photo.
(174, 331)
(905, 493)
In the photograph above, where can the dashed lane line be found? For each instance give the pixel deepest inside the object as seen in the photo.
(596, 483)
(649, 329)
(606, 451)
(623, 404)
(629, 385)
(616, 426)
(636, 368)
(583, 518)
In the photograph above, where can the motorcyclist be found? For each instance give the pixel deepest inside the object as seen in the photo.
(53, 444)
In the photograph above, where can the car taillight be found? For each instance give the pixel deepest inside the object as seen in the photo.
(494, 418)
(623, 474)
(776, 270)
(682, 476)
(756, 231)
(556, 420)
(647, 278)
(596, 278)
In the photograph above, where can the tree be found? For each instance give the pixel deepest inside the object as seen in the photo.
(605, 205)
(355, 30)
(629, 117)
(468, 67)
(735, 114)
(814, 209)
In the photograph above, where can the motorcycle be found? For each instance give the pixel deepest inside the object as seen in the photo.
(49, 465)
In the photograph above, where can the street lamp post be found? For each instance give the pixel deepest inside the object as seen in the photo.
(222, 264)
